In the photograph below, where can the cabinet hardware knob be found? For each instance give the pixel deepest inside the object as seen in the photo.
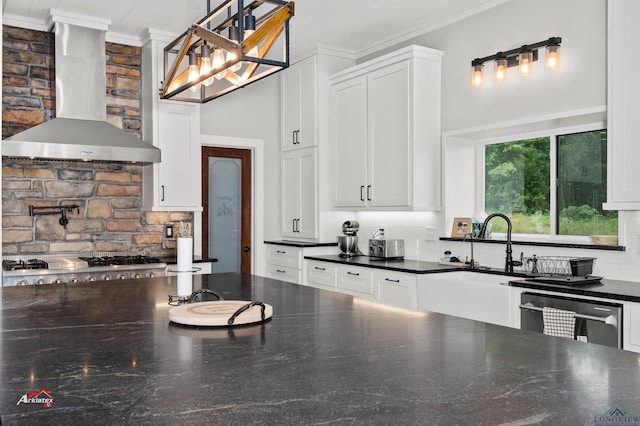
(361, 192)
(353, 273)
(368, 192)
(280, 251)
(162, 192)
(281, 271)
(393, 281)
(320, 269)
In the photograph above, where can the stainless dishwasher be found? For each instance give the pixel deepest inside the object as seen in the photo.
(600, 322)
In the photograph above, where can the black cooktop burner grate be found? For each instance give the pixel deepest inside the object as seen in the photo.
(120, 260)
(16, 265)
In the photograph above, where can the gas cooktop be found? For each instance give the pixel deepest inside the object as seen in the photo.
(47, 269)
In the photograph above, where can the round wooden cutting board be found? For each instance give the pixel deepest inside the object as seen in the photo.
(218, 313)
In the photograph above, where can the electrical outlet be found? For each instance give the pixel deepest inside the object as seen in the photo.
(168, 231)
(429, 233)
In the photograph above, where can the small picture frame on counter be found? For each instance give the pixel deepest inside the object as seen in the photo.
(461, 227)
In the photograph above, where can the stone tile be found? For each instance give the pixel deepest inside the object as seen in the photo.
(16, 184)
(113, 190)
(16, 236)
(27, 117)
(99, 209)
(112, 247)
(12, 172)
(126, 203)
(127, 214)
(157, 218)
(49, 229)
(113, 176)
(39, 173)
(16, 221)
(146, 239)
(61, 189)
(71, 247)
(87, 226)
(124, 226)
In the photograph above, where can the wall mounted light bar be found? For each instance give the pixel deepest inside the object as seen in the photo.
(523, 57)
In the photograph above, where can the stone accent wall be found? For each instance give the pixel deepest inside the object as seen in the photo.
(111, 217)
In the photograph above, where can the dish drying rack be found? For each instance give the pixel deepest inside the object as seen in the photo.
(558, 266)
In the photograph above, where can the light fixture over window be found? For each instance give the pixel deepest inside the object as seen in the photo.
(523, 57)
(203, 63)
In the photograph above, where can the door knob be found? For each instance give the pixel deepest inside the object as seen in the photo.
(246, 249)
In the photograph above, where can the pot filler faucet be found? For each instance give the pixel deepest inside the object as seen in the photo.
(509, 263)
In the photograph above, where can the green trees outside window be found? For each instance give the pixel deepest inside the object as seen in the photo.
(518, 182)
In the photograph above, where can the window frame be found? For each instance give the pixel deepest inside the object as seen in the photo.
(552, 134)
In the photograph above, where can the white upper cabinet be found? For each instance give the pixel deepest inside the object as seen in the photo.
(623, 109)
(349, 130)
(385, 132)
(299, 105)
(174, 127)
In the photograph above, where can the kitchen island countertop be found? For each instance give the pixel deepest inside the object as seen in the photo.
(107, 354)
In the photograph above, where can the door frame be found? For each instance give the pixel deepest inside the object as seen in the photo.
(257, 196)
(244, 157)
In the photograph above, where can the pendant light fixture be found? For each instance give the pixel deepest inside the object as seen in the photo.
(235, 44)
(523, 57)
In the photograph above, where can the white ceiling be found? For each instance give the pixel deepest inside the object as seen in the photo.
(360, 26)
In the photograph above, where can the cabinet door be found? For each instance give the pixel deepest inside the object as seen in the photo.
(299, 105)
(290, 107)
(355, 281)
(395, 289)
(349, 133)
(290, 183)
(178, 134)
(388, 137)
(308, 216)
(321, 275)
(299, 205)
(623, 108)
(631, 327)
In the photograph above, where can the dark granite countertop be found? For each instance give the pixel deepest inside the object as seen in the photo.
(406, 265)
(628, 291)
(301, 244)
(108, 355)
(399, 265)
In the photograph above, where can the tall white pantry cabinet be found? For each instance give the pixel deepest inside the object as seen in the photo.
(304, 138)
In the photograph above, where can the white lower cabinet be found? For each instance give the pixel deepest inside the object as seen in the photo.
(321, 275)
(631, 326)
(396, 289)
(284, 263)
(356, 281)
(480, 297)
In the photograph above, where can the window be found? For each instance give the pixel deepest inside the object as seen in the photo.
(552, 185)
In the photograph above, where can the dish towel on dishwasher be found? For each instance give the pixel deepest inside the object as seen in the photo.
(559, 323)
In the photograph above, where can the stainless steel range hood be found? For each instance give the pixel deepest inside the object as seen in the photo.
(80, 131)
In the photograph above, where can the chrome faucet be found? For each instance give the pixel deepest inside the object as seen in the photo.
(509, 263)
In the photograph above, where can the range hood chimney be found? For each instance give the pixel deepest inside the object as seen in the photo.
(80, 130)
